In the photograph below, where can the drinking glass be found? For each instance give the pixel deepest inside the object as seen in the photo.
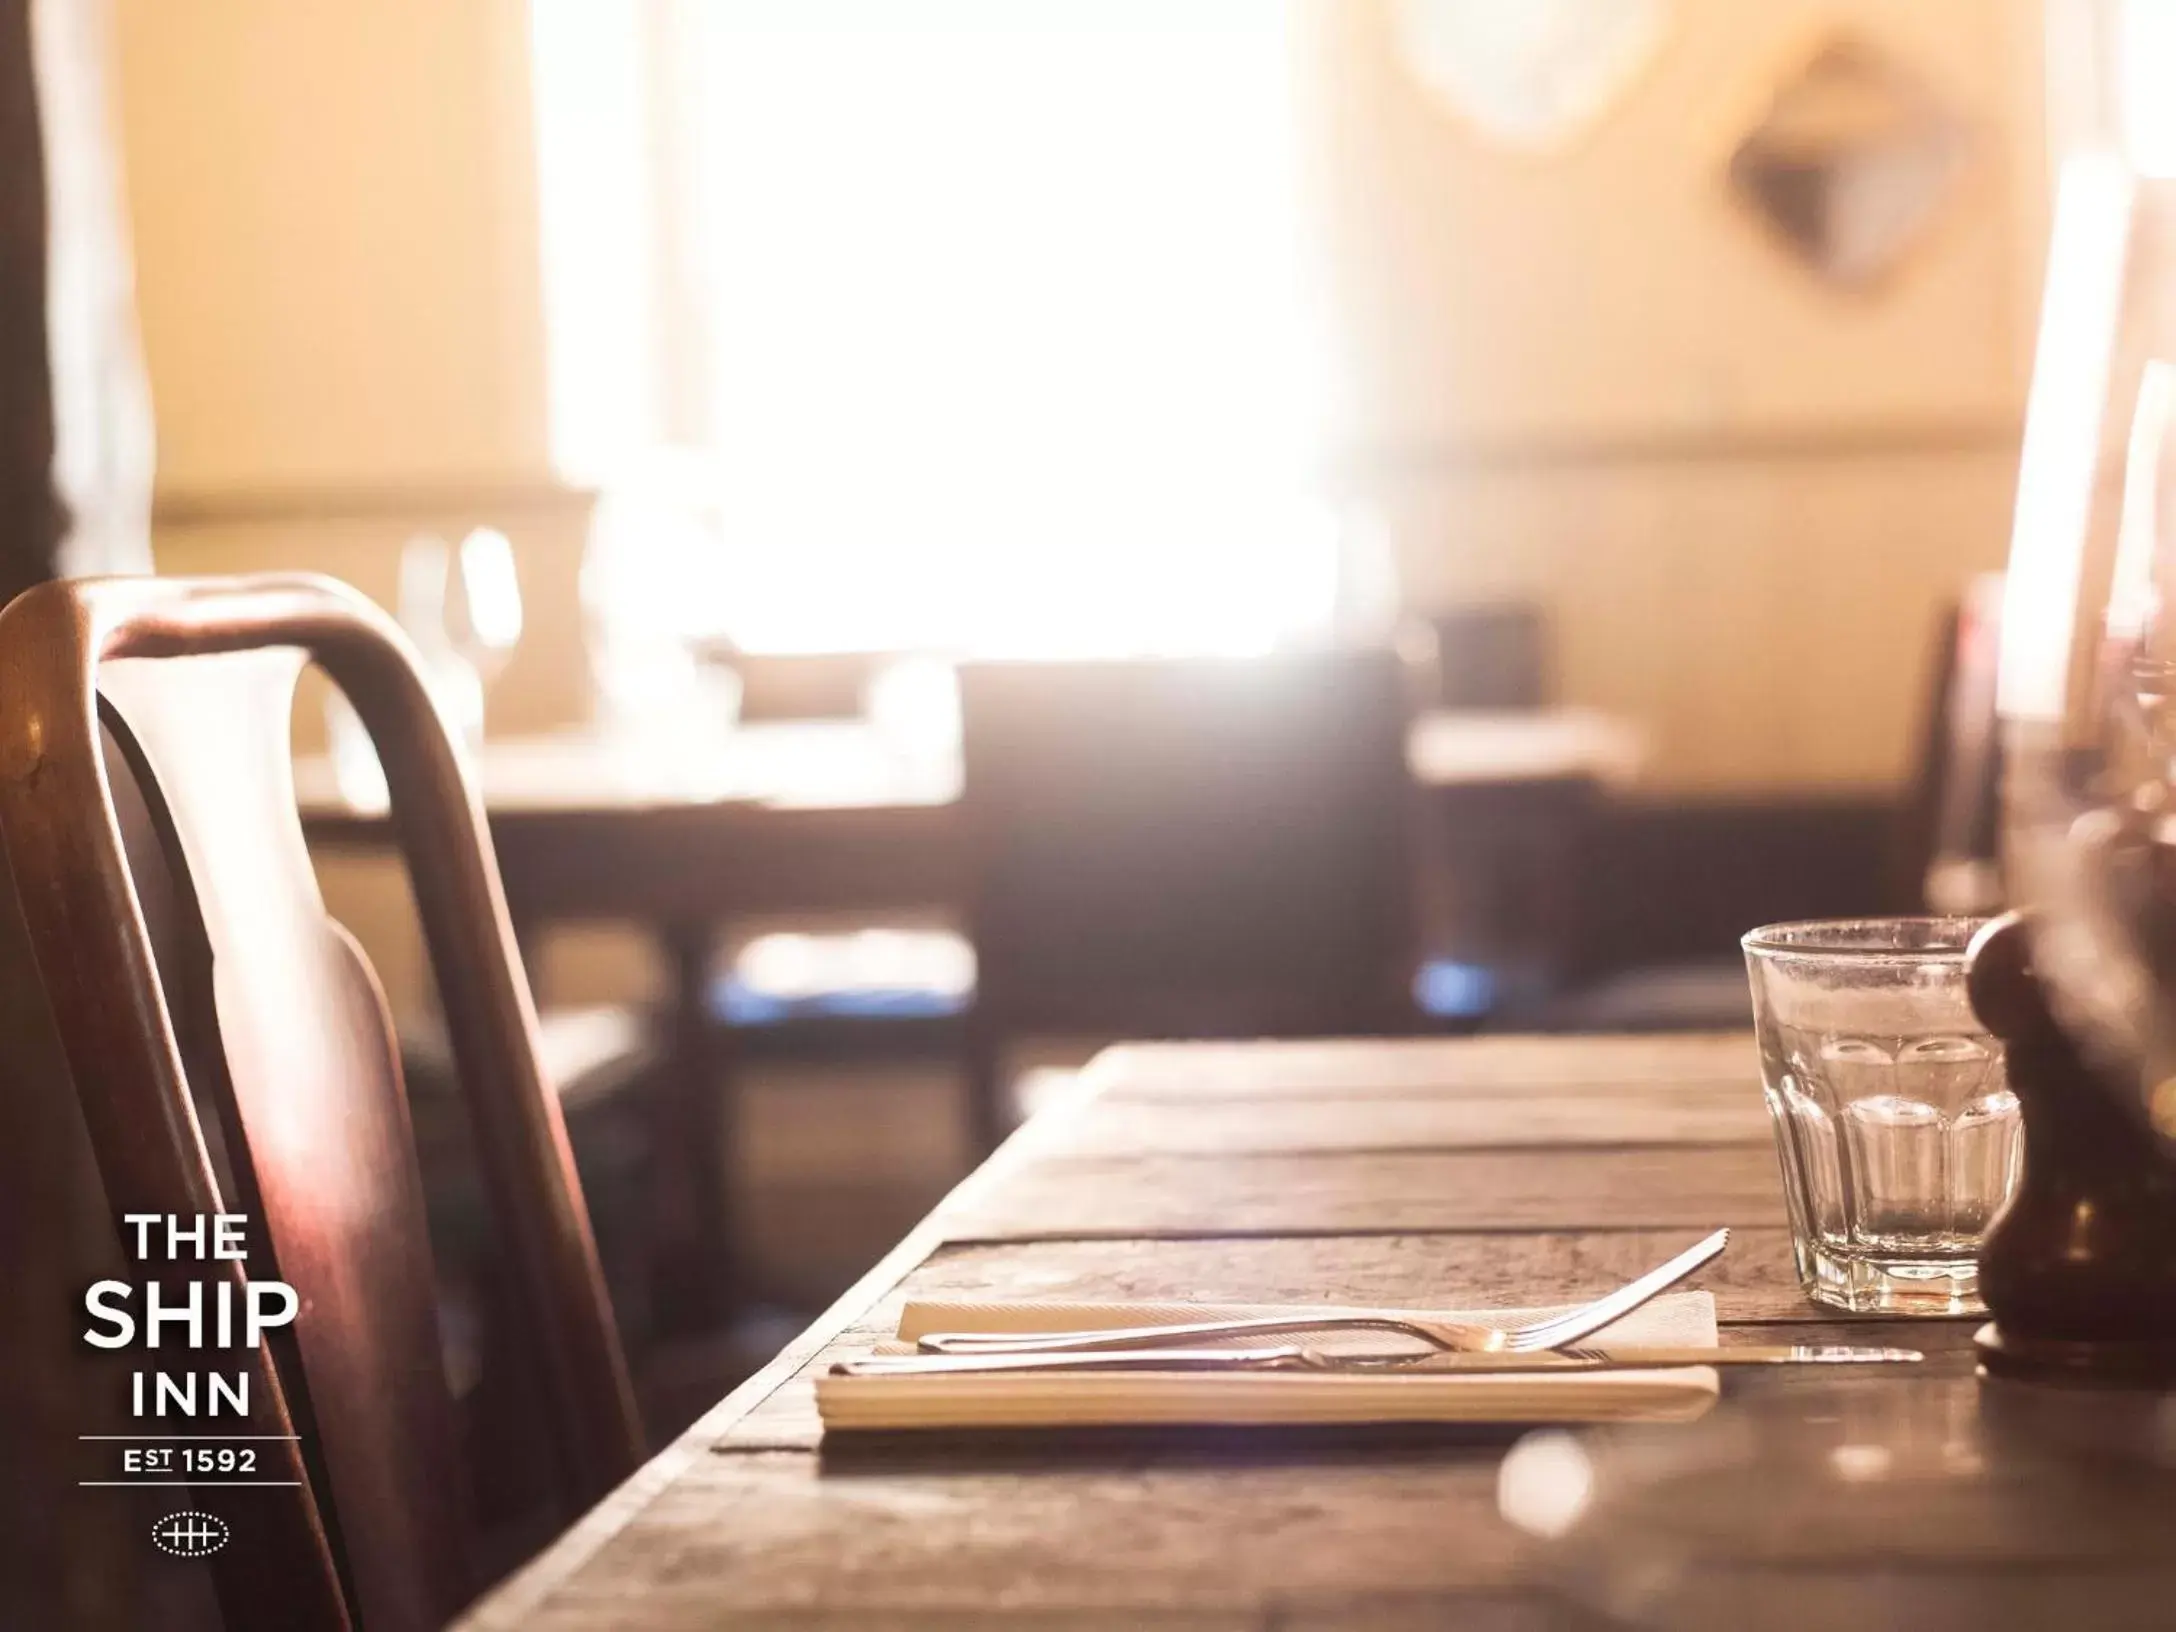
(1899, 1138)
(462, 608)
(483, 602)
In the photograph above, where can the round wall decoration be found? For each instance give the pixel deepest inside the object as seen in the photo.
(1530, 75)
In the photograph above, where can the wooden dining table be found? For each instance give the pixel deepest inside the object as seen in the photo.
(1419, 1174)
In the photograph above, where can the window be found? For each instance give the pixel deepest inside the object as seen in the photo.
(981, 332)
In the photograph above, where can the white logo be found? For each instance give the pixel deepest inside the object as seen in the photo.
(190, 1535)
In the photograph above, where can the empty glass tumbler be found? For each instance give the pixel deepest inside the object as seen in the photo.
(1899, 1138)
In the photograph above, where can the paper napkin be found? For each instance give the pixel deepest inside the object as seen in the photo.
(1268, 1398)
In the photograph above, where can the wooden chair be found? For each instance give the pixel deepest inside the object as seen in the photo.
(1949, 846)
(814, 686)
(1491, 657)
(253, 1069)
(1186, 848)
(1696, 879)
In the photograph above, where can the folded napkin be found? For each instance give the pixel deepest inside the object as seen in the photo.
(1265, 1398)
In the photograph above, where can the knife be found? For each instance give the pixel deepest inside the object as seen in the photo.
(1291, 1357)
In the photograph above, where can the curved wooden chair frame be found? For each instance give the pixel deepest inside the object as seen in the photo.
(274, 1020)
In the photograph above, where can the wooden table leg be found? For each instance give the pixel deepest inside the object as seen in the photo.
(691, 1225)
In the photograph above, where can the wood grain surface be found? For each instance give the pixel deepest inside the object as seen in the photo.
(1344, 1070)
(1259, 1191)
(1565, 1187)
(1697, 1114)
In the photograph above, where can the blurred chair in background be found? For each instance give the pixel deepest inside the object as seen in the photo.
(1949, 842)
(1499, 860)
(254, 1072)
(841, 993)
(1493, 657)
(796, 686)
(1185, 848)
(822, 990)
(1937, 851)
(865, 999)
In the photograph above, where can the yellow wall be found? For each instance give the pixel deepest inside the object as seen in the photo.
(335, 231)
(334, 219)
(1585, 379)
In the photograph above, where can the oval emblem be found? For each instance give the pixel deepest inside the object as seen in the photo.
(190, 1535)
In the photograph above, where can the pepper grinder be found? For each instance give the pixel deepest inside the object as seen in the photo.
(2079, 1271)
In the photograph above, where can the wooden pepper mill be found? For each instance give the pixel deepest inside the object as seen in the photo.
(2079, 1272)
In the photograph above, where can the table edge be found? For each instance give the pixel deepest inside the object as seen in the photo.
(508, 1605)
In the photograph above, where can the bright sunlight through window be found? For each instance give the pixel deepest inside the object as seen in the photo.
(987, 331)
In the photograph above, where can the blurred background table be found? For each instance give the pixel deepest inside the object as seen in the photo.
(822, 816)
(817, 815)
(814, 814)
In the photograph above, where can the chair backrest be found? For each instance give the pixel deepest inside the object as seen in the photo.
(1950, 844)
(1492, 657)
(253, 1070)
(1190, 847)
(798, 686)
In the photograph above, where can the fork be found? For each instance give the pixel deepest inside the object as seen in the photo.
(1292, 1357)
(1453, 1337)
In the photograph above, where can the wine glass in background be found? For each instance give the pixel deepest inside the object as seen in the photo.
(461, 606)
(419, 606)
(423, 603)
(483, 609)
